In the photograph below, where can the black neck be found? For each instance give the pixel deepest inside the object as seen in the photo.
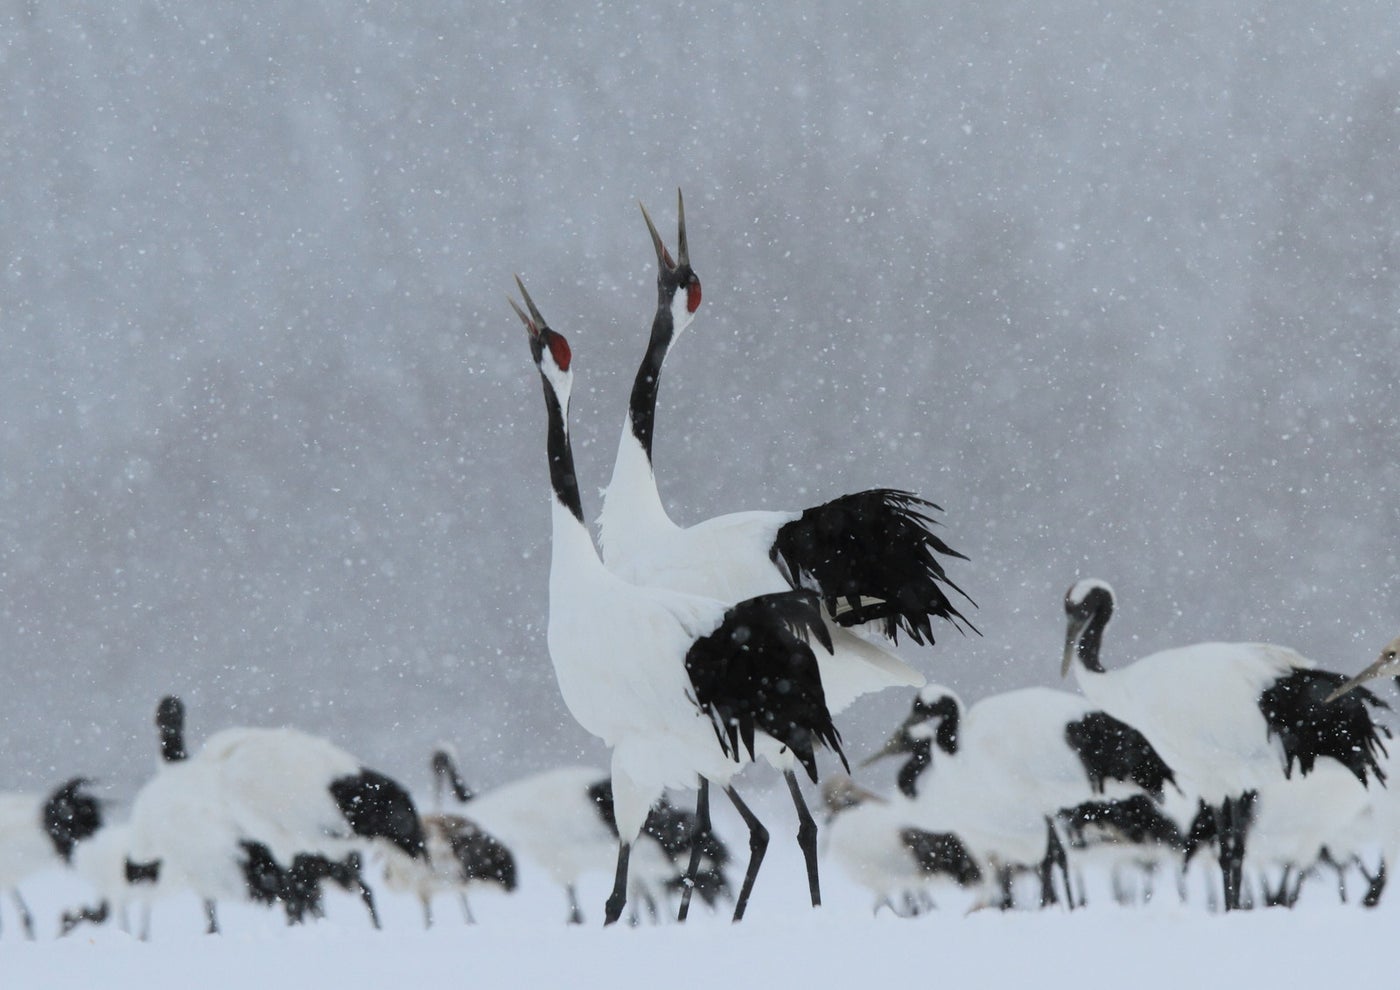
(170, 723)
(445, 771)
(70, 816)
(561, 455)
(642, 407)
(920, 756)
(1090, 639)
(947, 735)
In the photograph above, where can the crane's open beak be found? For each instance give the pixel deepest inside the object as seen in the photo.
(663, 257)
(536, 318)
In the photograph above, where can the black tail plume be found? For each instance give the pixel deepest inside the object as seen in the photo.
(1309, 727)
(873, 556)
(378, 807)
(756, 672)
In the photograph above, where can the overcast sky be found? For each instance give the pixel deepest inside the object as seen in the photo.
(1116, 286)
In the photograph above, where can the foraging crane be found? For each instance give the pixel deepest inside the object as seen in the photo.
(999, 772)
(1230, 718)
(870, 555)
(265, 814)
(875, 840)
(563, 820)
(40, 830)
(678, 685)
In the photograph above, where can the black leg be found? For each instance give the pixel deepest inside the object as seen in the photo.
(702, 830)
(1005, 880)
(649, 902)
(806, 837)
(1062, 860)
(1376, 886)
(467, 915)
(368, 898)
(427, 901)
(575, 915)
(211, 918)
(758, 845)
(1054, 856)
(1227, 849)
(26, 920)
(1234, 825)
(618, 898)
(72, 919)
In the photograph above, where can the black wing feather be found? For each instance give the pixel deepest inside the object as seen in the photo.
(876, 552)
(1135, 819)
(1110, 749)
(378, 807)
(941, 854)
(756, 672)
(480, 856)
(1309, 727)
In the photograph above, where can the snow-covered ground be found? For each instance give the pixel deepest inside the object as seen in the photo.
(521, 940)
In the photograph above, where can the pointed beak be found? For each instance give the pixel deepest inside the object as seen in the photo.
(523, 318)
(1076, 626)
(533, 326)
(895, 745)
(663, 257)
(682, 245)
(534, 312)
(1376, 669)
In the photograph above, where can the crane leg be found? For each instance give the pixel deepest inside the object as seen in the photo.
(806, 837)
(26, 919)
(702, 829)
(575, 914)
(758, 845)
(1375, 886)
(618, 898)
(368, 898)
(1234, 824)
(211, 919)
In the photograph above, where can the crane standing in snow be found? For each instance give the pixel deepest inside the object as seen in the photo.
(998, 773)
(1228, 717)
(870, 555)
(679, 686)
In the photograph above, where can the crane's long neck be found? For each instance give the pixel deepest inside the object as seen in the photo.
(945, 737)
(632, 508)
(561, 455)
(920, 758)
(1086, 646)
(170, 724)
(641, 408)
(446, 776)
(571, 542)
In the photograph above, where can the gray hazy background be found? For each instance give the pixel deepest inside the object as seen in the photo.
(1116, 286)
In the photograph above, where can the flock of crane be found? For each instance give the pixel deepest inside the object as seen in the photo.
(691, 652)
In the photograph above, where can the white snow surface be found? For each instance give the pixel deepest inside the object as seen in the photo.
(520, 940)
